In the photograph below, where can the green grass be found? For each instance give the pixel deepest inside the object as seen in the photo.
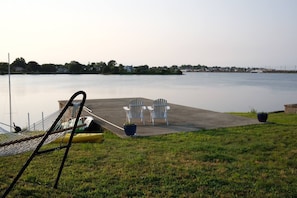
(249, 161)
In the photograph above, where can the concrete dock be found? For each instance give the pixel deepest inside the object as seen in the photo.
(109, 113)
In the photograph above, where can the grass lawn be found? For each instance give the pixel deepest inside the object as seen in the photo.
(249, 161)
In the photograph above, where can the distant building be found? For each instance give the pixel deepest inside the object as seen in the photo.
(257, 71)
(128, 68)
(19, 69)
(62, 70)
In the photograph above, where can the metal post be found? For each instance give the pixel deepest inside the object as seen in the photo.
(42, 121)
(9, 85)
(28, 121)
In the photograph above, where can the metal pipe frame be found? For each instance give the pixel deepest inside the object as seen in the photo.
(37, 152)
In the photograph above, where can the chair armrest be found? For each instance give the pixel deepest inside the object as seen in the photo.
(167, 107)
(143, 107)
(126, 108)
(150, 108)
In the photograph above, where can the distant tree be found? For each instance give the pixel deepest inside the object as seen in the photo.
(110, 68)
(121, 68)
(99, 66)
(3, 68)
(48, 68)
(112, 63)
(142, 69)
(91, 67)
(33, 66)
(18, 65)
(75, 67)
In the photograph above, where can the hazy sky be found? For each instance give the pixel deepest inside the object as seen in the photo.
(243, 33)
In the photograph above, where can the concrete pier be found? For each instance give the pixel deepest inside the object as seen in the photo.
(109, 113)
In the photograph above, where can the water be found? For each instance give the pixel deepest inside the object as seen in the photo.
(222, 92)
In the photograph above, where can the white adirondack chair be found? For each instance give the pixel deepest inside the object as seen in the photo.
(159, 110)
(135, 110)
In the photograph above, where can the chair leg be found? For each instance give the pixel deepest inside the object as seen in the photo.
(152, 119)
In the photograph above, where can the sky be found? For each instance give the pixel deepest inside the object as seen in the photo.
(241, 33)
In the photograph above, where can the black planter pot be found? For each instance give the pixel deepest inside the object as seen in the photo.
(262, 117)
(130, 129)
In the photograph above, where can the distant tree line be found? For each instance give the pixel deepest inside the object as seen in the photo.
(204, 68)
(19, 66)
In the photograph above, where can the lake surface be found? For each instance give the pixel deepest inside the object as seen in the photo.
(222, 92)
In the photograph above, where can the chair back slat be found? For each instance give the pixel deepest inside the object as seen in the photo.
(135, 110)
(159, 106)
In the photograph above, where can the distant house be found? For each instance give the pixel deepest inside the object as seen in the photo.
(257, 71)
(128, 68)
(62, 70)
(19, 69)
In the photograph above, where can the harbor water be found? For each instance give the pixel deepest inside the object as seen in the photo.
(222, 92)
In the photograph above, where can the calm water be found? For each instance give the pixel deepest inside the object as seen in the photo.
(222, 92)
